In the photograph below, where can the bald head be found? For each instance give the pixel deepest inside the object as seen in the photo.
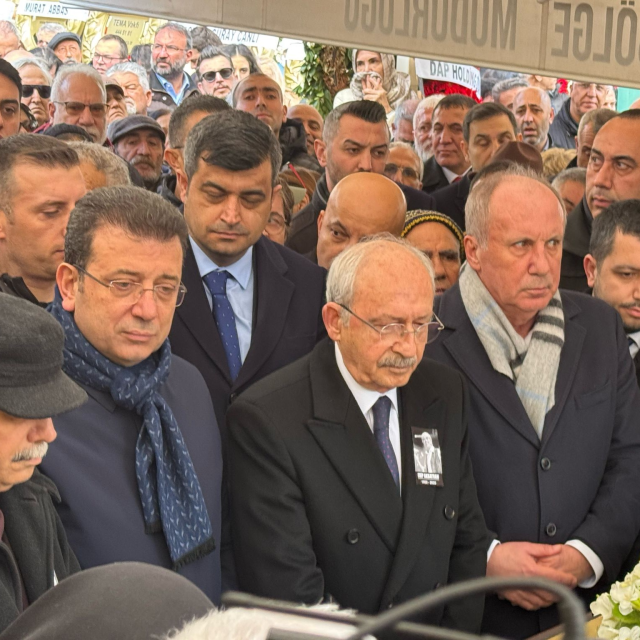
(261, 96)
(534, 115)
(362, 204)
(311, 121)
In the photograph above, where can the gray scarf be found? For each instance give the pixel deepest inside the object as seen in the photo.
(532, 362)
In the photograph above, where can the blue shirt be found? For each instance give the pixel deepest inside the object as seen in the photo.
(239, 291)
(168, 87)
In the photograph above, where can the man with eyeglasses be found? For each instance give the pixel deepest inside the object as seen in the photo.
(170, 52)
(36, 87)
(139, 466)
(329, 444)
(215, 71)
(79, 96)
(553, 420)
(583, 97)
(111, 49)
(404, 165)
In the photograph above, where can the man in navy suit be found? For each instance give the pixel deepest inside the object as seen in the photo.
(253, 306)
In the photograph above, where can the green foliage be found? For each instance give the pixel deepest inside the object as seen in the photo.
(314, 89)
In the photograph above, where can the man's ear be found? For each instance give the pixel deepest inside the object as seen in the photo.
(320, 219)
(471, 249)
(52, 109)
(149, 96)
(591, 269)
(182, 186)
(67, 279)
(284, 113)
(332, 318)
(552, 115)
(173, 158)
(464, 147)
(3, 225)
(320, 148)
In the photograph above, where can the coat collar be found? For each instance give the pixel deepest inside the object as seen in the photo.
(577, 234)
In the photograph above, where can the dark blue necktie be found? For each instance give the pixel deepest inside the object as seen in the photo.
(225, 318)
(381, 410)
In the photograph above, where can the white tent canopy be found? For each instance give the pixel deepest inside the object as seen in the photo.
(595, 40)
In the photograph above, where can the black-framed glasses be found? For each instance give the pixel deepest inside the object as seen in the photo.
(133, 291)
(97, 109)
(170, 48)
(44, 90)
(391, 169)
(396, 331)
(98, 56)
(210, 76)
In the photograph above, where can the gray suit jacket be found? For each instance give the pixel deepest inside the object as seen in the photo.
(582, 481)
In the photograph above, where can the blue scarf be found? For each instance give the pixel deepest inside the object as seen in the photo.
(172, 500)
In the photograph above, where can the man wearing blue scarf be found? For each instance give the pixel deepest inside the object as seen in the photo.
(138, 467)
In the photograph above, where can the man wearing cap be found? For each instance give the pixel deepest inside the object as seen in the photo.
(117, 107)
(67, 46)
(140, 141)
(10, 96)
(484, 129)
(441, 239)
(34, 548)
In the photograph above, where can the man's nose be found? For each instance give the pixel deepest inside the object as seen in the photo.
(43, 430)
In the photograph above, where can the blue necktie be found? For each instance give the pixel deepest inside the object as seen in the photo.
(225, 318)
(381, 410)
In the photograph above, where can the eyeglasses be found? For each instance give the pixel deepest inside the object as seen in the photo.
(210, 76)
(169, 48)
(132, 291)
(98, 56)
(396, 331)
(44, 90)
(276, 223)
(76, 108)
(391, 169)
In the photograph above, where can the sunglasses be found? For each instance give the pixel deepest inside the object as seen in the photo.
(210, 76)
(43, 90)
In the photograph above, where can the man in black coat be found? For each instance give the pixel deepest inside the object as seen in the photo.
(355, 138)
(267, 310)
(553, 421)
(613, 174)
(34, 549)
(327, 500)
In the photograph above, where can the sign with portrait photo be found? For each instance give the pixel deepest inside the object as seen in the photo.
(427, 457)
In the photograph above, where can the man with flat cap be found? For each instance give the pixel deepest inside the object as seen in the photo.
(34, 551)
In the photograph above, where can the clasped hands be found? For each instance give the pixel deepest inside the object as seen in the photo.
(560, 563)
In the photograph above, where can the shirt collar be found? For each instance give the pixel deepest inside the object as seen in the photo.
(168, 87)
(240, 270)
(365, 398)
(451, 176)
(635, 336)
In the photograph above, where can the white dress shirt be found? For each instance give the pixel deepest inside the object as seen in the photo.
(365, 399)
(450, 176)
(635, 347)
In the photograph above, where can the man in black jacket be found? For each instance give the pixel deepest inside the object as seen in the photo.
(355, 138)
(613, 174)
(34, 549)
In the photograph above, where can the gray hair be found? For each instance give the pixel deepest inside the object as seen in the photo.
(175, 26)
(105, 161)
(68, 70)
(505, 85)
(405, 111)
(478, 208)
(408, 147)
(341, 280)
(428, 103)
(575, 174)
(596, 117)
(51, 27)
(34, 62)
(131, 67)
(8, 27)
(139, 213)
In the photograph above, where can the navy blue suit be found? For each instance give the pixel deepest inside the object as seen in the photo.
(582, 480)
(93, 464)
(287, 321)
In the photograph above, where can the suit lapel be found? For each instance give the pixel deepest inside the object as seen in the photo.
(273, 297)
(461, 341)
(418, 409)
(196, 313)
(575, 335)
(343, 434)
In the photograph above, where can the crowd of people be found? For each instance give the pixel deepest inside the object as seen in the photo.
(344, 360)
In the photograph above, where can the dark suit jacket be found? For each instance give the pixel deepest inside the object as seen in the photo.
(452, 199)
(287, 321)
(577, 237)
(582, 481)
(434, 177)
(93, 464)
(315, 510)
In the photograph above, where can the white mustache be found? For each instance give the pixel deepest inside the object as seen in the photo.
(38, 450)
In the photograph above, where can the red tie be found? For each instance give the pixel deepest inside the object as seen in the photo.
(456, 179)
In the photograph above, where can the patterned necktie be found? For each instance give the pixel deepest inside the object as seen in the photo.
(225, 318)
(381, 410)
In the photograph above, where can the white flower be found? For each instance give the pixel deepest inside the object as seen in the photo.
(625, 608)
(607, 632)
(602, 606)
(623, 592)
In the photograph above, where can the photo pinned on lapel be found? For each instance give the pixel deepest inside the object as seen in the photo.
(427, 457)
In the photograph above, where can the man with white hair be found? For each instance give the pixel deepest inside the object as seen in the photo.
(134, 82)
(100, 167)
(9, 37)
(553, 416)
(46, 32)
(422, 126)
(79, 96)
(327, 444)
(402, 125)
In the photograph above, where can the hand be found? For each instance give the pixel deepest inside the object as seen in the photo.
(570, 560)
(373, 90)
(524, 559)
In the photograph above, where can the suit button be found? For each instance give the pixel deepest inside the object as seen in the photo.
(449, 512)
(551, 529)
(232, 397)
(545, 463)
(353, 536)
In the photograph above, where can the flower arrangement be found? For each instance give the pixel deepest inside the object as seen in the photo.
(620, 609)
